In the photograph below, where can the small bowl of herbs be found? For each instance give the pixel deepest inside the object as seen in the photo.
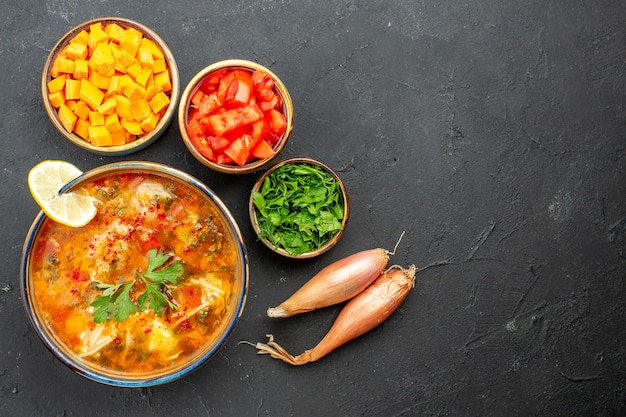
(299, 208)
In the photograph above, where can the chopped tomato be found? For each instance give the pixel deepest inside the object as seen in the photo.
(227, 87)
(262, 150)
(273, 103)
(238, 152)
(210, 83)
(236, 116)
(197, 97)
(209, 104)
(218, 144)
(278, 121)
(244, 87)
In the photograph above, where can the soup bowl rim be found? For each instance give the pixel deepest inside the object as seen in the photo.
(117, 378)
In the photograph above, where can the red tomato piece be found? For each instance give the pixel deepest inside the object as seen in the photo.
(278, 121)
(244, 87)
(258, 129)
(209, 104)
(218, 144)
(249, 141)
(197, 97)
(225, 91)
(273, 103)
(234, 118)
(262, 150)
(202, 145)
(264, 88)
(210, 83)
(258, 76)
(195, 129)
(224, 159)
(238, 152)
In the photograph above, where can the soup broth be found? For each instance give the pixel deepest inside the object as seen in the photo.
(138, 213)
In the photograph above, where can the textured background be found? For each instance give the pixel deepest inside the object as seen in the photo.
(492, 132)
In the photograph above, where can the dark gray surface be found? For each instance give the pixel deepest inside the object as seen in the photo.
(493, 133)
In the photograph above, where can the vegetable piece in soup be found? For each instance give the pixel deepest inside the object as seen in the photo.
(146, 284)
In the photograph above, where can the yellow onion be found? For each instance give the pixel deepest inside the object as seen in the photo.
(360, 315)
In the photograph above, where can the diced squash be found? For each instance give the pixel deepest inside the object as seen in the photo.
(96, 35)
(57, 84)
(67, 118)
(131, 40)
(99, 80)
(90, 94)
(126, 59)
(159, 102)
(72, 89)
(64, 65)
(159, 66)
(134, 69)
(81, 37)
(82, 128)
(119, 137)
(144, 76)
(76, 51)
(102, 60)
(134, 91)
(100, 136)
(114, 31)
(157, 53)
(140, 109)
(144, 56)
(163, 81)
(96, 118)
(57, 98)
(81, 110)
(81, 69)
(134, 128)
(151, 91)
(123, 107)
(150, 122)
(108, 106)
(71, 104)
(112, 122)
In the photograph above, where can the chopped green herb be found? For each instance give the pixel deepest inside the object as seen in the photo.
(116, 303)
(299, 207)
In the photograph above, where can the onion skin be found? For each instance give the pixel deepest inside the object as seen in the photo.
(334, 284)
(360, 315)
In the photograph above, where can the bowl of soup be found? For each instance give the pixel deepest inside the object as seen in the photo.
(149, 290)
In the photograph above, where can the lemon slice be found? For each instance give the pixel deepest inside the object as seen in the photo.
(71, 209)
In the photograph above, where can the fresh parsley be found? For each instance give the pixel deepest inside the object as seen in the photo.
(115, 302)
(299, 207)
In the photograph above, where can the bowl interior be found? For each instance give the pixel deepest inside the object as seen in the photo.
(147, 138)
(193, 86)
(332, 241)
(90, 365)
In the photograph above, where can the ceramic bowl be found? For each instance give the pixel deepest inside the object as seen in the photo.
(145, 127)
(186, 105)
(145, 348)
(330, 240)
